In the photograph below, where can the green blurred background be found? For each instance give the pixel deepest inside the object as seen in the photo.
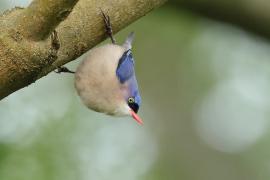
(204, 85)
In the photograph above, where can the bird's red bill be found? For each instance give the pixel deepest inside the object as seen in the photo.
(136, 117)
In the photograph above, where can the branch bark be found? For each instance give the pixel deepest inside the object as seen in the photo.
(43, 16)
(27, 52)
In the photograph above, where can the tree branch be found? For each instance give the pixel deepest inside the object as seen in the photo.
(43, 16)
(22, 60)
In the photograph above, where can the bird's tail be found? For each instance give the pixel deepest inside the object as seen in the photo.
(129, 40)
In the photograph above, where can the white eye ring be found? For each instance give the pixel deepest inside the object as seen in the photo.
(131, 100)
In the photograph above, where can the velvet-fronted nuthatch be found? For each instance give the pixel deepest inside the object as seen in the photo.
(105, 80)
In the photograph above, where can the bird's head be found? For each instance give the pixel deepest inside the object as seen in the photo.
(133, 99)
(129, 86)
(128, 82)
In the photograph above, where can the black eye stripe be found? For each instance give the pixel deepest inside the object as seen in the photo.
(134, 107)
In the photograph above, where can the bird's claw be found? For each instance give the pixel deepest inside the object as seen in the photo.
(108, 26)
(63, 69)
(55, 41)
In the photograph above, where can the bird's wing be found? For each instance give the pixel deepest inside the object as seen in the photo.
(125, 68)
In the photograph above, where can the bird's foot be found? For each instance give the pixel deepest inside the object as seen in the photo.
(108, 26)
(55, 42)
(54, 47)
(63, 69)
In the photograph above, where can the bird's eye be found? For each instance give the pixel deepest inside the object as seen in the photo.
(131, 100)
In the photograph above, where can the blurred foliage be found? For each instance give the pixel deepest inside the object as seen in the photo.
(204, 86)
(251, 15)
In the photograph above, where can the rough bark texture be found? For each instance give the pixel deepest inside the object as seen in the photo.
(43, 16)
(28, 52)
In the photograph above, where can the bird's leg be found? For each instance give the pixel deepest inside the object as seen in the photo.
(56, 45)
(55, 42)
(63, 69)
(108, 26)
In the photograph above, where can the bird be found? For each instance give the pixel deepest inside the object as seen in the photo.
(105, 80)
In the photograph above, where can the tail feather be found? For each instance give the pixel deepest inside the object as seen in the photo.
(129, 40)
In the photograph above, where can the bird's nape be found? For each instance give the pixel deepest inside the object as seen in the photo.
(136, 117)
